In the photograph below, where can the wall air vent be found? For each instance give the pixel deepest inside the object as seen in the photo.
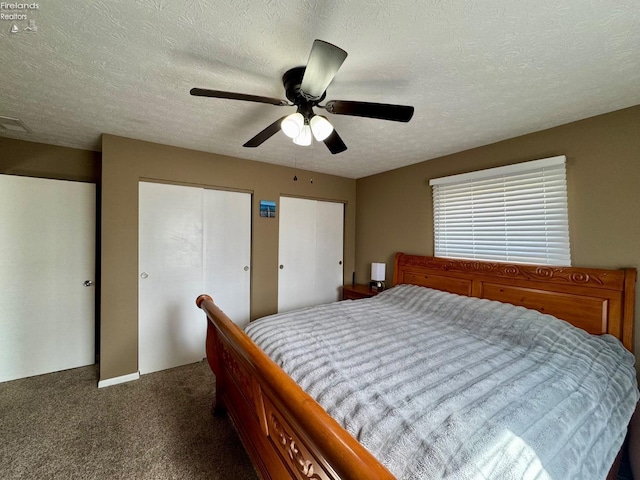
(13, 124)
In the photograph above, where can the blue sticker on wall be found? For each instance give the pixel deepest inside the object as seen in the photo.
(267, 208)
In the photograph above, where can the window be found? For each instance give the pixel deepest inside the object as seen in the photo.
(516, 213)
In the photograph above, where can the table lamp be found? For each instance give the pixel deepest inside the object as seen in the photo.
(377, 276)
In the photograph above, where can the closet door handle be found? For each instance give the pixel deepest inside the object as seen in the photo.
(246, 268)
(281, 267)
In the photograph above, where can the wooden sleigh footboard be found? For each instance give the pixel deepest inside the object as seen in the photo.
(285, 432)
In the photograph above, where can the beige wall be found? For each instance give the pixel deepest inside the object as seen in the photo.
(125, 162)
(394, 214)
(31, 159)
(603, 180)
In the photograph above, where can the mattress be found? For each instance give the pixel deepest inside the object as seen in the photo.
(437, 385)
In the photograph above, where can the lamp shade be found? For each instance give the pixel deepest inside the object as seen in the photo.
(292, 125)
(320, 127)
(304, 138)
(378, 272)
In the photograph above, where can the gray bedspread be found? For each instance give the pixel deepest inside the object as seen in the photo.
(437, 385)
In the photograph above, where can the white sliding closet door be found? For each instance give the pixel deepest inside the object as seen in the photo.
(329, 272)
(310, 252)
(47, 253)
(192, 241)
(227, 252)
(171, 330)
(296, 253)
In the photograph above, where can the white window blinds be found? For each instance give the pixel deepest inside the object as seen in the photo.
(516, 213)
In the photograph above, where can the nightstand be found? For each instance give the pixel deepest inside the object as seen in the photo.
(357, 291)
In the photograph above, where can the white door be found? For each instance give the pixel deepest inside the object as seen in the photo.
(47, 253)
(296, 253)
(192, 241)
(310, 252)
(329, 251)
(171, 330)
(227, 252)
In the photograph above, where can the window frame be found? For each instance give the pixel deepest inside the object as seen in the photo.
(487, 214)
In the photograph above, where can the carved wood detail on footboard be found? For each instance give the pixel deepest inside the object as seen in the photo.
(293, 451)
(285, 432)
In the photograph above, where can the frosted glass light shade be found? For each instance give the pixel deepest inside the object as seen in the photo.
(304, 138)
(292, 125)
(320, 127)
(378, 272)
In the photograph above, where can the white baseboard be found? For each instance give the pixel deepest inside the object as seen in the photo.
(116, 380)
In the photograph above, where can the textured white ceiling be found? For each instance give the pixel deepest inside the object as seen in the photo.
(475, 71)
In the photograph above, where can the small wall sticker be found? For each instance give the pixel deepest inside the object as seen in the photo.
(267, 208)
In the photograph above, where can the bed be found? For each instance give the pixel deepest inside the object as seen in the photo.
(288, 434)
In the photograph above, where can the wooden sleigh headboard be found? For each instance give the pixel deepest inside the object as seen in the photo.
(596, 300)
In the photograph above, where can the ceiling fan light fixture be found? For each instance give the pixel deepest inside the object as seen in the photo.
(304, 139)
(305, 87)
(292, 125)
(320, 127)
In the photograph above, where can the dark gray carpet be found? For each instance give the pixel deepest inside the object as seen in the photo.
(61, 426)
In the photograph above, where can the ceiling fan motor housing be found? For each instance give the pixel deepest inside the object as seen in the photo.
(292, 79)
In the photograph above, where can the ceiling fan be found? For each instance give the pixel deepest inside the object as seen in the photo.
(305, 87)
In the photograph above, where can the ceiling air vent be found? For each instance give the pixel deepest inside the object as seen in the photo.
(13, 124)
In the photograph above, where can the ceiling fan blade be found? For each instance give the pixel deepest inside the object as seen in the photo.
(324, 62)
(334, 143)
(265, 134)
(383, 111)
(203, 92)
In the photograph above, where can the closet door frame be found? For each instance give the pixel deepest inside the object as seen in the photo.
(196, 325)
(303, 291)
